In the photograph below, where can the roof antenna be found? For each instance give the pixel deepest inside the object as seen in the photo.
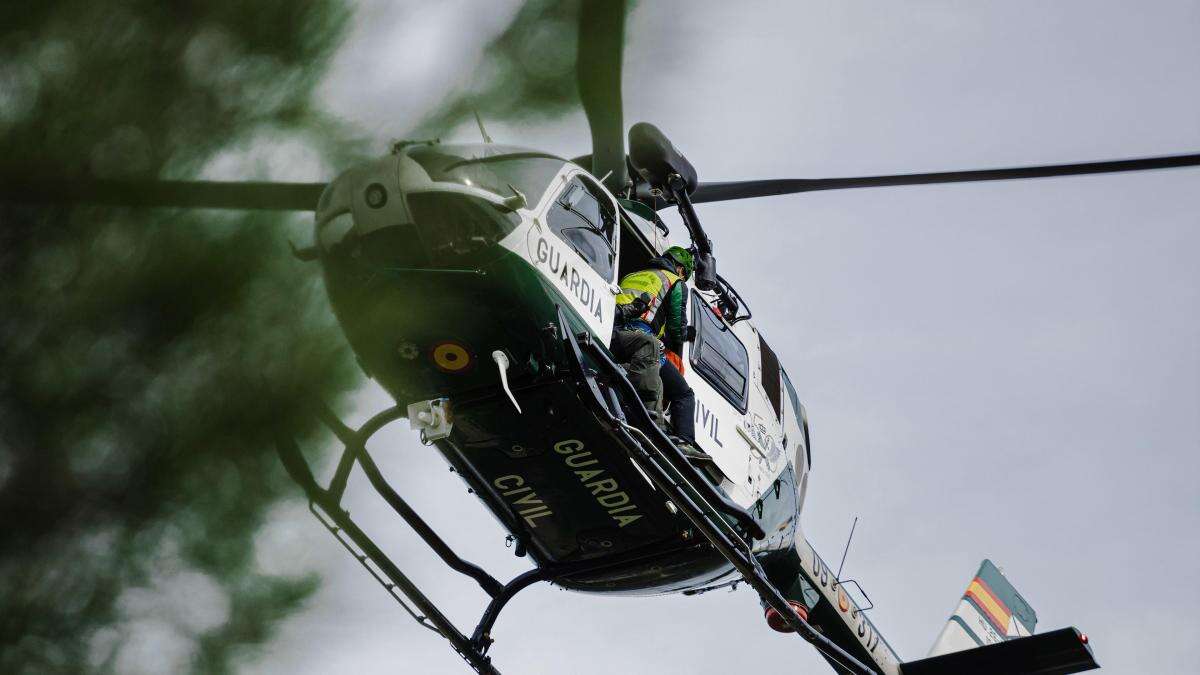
(482, 131)
(847, 549)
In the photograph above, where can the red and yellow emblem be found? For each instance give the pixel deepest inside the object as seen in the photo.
(987, 601)
(450, 357)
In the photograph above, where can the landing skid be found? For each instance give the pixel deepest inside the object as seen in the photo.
(325, 504)
(723, 523)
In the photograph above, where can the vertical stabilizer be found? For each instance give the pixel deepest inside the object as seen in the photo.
(990, 611)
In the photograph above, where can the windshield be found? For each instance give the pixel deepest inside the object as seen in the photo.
(490, 167)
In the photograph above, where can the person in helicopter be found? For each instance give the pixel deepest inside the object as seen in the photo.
(651, 326)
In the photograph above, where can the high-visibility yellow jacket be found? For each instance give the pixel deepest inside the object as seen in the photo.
(664, 311)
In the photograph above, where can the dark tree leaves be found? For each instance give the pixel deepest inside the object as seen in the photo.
(527, 72)
(146, 357)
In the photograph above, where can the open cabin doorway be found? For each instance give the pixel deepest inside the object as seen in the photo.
(635, 250)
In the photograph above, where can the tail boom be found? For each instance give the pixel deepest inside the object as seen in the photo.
(990, 632)
(840, 617)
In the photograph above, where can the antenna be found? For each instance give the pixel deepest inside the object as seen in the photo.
(482, 131)
(847, 549)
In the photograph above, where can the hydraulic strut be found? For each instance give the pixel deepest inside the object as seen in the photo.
(706, 268)
(707, 278)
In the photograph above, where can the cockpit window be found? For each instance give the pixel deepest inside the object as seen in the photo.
(584, 217)
(490, 167)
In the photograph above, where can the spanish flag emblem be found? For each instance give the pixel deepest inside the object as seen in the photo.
(990, 606)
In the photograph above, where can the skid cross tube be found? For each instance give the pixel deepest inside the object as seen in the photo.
(683, 488)
(355, 450)
(482, 638)
(554, 572)
(298, 469)
(353, 440)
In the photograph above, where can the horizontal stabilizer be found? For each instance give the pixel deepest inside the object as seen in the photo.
(1055, 653)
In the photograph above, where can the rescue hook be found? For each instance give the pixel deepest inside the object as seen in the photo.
(501, 360)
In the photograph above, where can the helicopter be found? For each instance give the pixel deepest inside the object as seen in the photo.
(458, 359)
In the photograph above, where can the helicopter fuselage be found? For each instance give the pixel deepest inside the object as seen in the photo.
(438, 257)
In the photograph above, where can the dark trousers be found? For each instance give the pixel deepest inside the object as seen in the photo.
(680, 401)
(640, 352)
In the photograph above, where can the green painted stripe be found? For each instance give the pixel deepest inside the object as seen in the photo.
(1007, 594)
(970, 633)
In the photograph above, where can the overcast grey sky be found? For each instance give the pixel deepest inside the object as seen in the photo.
(1005, 370)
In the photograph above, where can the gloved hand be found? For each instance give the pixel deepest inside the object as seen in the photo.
(633, 310)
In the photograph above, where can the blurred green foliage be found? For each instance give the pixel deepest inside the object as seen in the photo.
(146, 357)
(527, 71)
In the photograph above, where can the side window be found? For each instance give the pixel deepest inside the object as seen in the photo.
(787, 382)
(584, 217)
(718, 355)
(798, 411)
(770, 376)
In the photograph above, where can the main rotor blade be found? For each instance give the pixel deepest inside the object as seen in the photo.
(164, 193)
(598, 71)
(715, 192)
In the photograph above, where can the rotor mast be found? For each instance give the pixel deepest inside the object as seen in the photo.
(598, 71)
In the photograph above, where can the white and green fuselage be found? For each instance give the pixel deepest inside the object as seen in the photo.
(448, 266)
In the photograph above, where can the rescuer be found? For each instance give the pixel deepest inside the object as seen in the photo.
(650, 331)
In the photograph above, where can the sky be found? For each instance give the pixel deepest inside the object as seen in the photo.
(991, 370)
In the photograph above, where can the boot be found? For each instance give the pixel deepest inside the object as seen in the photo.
(690, 451)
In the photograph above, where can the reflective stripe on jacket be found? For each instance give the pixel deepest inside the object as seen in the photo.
(654, 283)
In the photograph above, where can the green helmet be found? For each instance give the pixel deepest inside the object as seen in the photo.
(684, 258)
